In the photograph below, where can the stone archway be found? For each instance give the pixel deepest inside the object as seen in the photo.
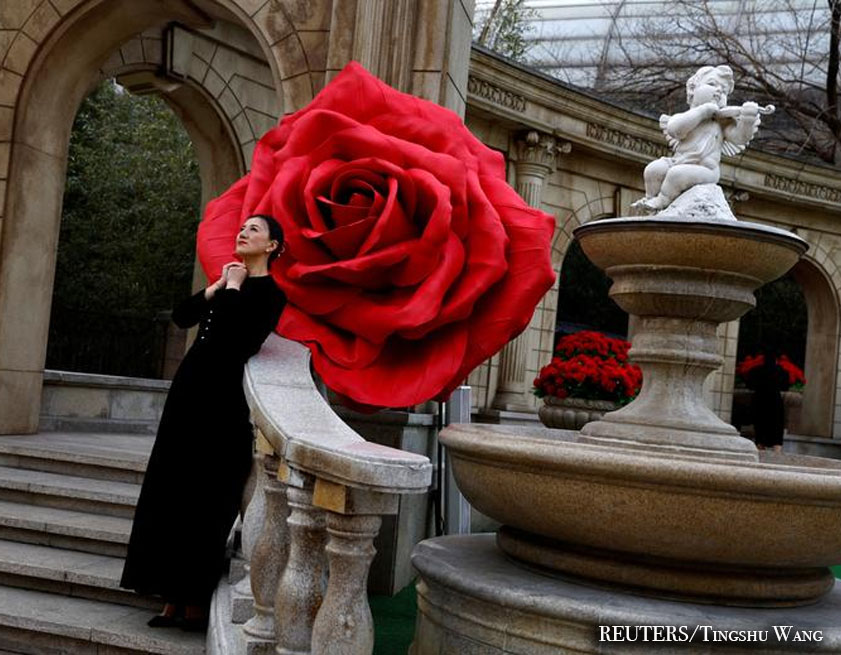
(56, 80)
(591, 208)
(822, 308)
(51, 51)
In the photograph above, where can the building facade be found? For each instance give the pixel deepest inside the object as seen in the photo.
(231, 68)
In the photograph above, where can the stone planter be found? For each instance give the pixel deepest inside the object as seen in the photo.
(572, 413)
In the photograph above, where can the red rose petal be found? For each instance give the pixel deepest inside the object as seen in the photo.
(402, 309)
(393, 225)
(345, 350)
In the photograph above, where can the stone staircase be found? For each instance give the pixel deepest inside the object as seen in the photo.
(66, 502)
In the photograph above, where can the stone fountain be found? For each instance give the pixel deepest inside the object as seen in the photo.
(659, 514)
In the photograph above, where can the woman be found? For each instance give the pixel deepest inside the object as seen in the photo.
(767, 407)
(202, 454)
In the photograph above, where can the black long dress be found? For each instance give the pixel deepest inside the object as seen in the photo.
(767, 406)
(202, 454)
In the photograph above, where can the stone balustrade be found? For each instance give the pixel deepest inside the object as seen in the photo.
(325, 489)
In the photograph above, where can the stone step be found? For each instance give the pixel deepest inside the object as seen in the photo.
(68, 492)
(61, 528)
(83, 425)
(117, 457)
(39, 623)
(67, 572)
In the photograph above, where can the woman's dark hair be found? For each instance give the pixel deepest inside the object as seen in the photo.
(275, 234)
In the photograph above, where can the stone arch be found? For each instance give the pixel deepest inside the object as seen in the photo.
(547, 310)
(821, 362)
(219, 150)
(56, 58)
(591, 209)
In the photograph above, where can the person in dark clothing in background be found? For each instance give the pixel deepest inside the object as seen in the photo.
(202, 454)
(767, 409)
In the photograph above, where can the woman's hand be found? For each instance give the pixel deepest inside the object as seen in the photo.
(221, 283)
(236, 274)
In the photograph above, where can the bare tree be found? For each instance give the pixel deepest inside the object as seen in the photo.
(784, 52)
(503, 27)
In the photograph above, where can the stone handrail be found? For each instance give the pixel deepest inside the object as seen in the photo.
(313, 438)
(316, 509)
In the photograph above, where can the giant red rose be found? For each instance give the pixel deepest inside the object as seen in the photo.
(409, 260)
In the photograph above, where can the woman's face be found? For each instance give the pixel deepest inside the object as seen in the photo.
(253, 239)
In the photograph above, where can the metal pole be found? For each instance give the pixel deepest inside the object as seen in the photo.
(456, 507)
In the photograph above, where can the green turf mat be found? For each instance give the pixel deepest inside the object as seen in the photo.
(394, 621)
(837, 571)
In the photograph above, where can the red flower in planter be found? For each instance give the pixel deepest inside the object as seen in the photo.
(590, 365)
(795, 376)
(409, 259)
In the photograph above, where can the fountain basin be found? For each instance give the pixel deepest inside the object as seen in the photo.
(753, 533)
(752, 250)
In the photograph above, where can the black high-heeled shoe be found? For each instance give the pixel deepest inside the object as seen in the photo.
(168, 620)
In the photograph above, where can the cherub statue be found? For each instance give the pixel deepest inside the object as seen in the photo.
(699, 136)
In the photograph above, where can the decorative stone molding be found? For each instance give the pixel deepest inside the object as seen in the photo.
(625, 141)
(495, 94)
(736, 195)
(802, 188)
(541, 149)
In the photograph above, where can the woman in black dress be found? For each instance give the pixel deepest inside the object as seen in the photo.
(767, 408)
(202, 454)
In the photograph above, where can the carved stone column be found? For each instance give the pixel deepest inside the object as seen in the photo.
(344, 625)
(536, 155)
(242, 602)
(269, 556)
(300, 592)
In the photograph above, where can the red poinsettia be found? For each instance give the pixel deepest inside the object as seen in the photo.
(590, 365)
(409, 260)
(794, 374)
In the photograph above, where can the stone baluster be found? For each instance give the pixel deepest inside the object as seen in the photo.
(536, 154)
(344, 625)
(268, 558)
(253, 519)
(300, 590)
(239, 562)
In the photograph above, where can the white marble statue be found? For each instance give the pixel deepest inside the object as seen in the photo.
(699, 136)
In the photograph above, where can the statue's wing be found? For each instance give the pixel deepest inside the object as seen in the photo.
(664, 122)
(731, 148)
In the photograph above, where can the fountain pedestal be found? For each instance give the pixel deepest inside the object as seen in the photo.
(474, 600)
(660, 498)
(682, 279)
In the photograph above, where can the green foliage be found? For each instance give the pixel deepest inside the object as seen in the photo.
(131, 206)
(504, 26)
(130, 212)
